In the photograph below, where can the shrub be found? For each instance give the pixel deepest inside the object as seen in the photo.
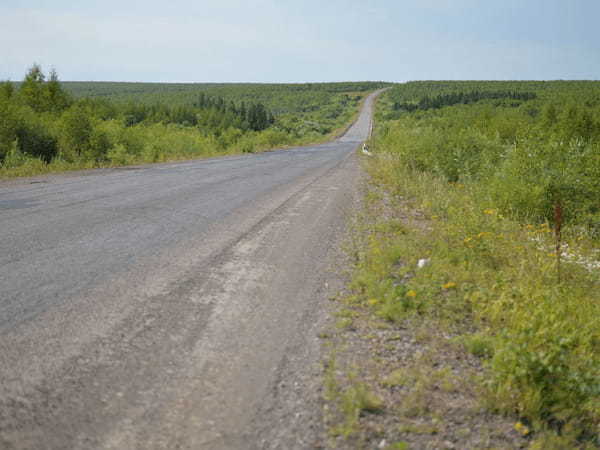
(35, 140)
(75, 134)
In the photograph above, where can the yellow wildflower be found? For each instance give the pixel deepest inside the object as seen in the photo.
(411, 294)
(449, 285)
(467, 240)
(372, 301)
(529, 227)
(489, 212)
(524, 430)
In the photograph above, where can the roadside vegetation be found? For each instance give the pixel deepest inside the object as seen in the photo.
(49, 126)
(479, 257)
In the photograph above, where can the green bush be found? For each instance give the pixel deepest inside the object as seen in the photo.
(75, 134)
(34, 139)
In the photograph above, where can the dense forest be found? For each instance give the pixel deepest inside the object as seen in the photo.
(505, 181)
(278, 98)
(461, 97)
(48, 125)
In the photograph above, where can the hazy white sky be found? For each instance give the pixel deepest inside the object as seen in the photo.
(301, 40)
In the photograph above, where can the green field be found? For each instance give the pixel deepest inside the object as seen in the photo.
(49, 126)
(496, 185)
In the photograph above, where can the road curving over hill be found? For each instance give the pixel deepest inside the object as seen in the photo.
(172, 305)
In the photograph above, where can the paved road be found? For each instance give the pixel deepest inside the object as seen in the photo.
(172, 305)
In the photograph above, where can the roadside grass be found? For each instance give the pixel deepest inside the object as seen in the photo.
(168, 145)
(539, 337)
(159, 144)
(476, 271)
(400, 376)
(488, 293)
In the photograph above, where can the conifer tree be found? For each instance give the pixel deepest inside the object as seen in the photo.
(56, 98)
(31, 88)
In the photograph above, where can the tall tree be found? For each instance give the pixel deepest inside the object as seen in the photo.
(55, 98)
(31, 88)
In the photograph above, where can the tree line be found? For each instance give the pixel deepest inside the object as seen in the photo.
(206, 112)
(39, 118)
(456, 98)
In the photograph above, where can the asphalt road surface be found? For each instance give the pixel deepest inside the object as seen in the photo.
(173, 305)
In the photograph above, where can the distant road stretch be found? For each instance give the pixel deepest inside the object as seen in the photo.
(167, 306)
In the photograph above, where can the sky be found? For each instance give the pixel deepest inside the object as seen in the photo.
(301, 40)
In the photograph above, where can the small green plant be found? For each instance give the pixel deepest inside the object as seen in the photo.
(479, 345)
(356, 401)
(398, 377)
(344, 323)
(398, 446)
